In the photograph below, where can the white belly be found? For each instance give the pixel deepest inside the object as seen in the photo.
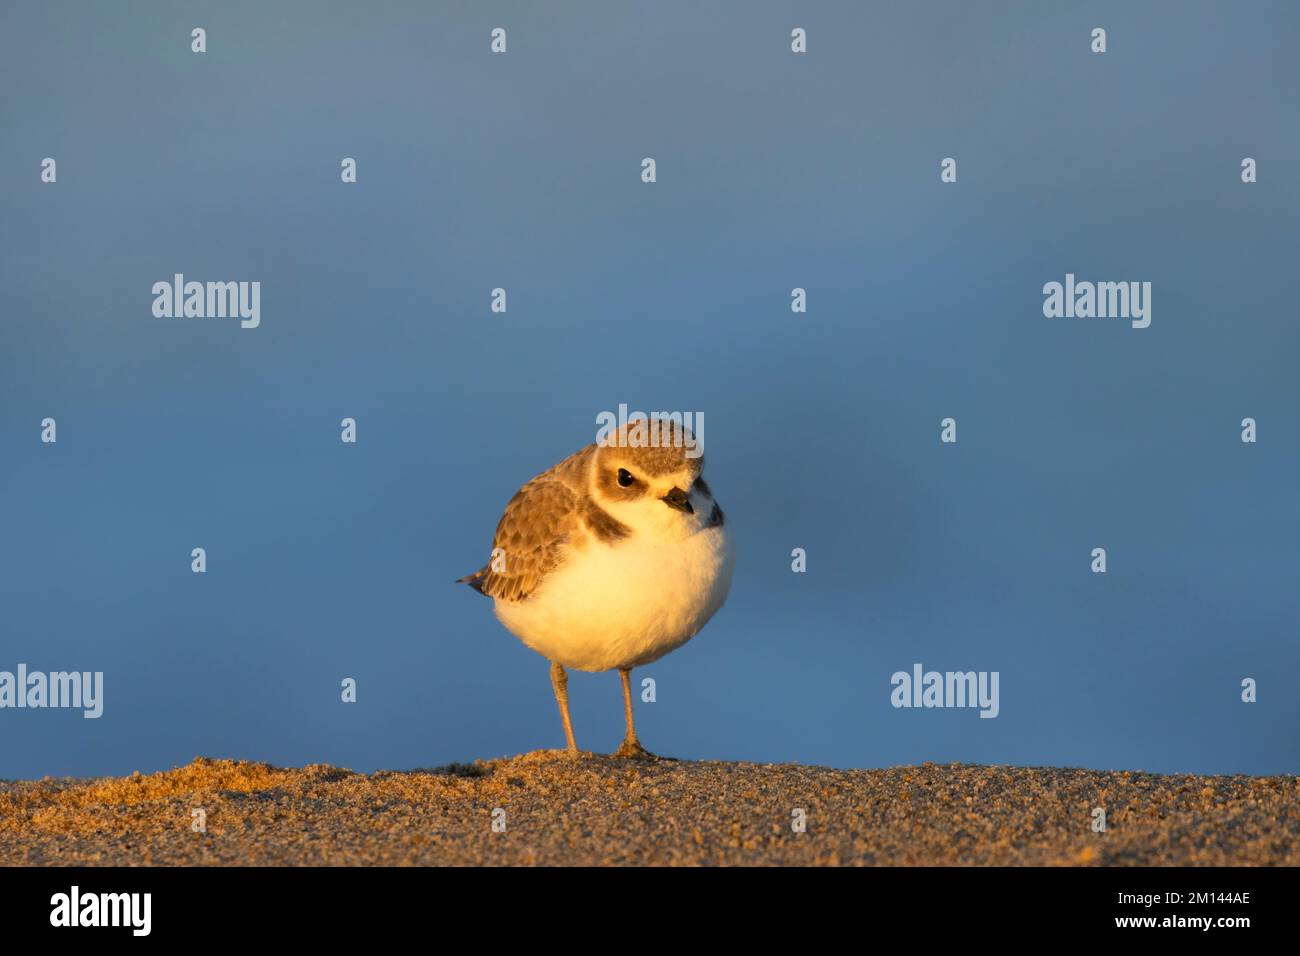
(624, 605)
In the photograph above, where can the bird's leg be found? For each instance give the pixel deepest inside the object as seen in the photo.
(631, 747)
(560, 681)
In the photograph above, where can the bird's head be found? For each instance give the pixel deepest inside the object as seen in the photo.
(648, 475)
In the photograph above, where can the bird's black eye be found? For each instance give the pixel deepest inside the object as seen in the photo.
(625, 478)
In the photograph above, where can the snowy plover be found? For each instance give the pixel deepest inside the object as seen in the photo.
(609, 560)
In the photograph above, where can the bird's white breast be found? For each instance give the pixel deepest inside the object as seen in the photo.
(625, 604)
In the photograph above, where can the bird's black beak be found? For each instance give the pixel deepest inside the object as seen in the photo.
(678, 499)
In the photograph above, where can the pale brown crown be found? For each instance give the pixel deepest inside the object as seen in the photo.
(651, 447)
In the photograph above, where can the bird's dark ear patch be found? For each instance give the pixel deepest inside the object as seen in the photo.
(603, 525)
(702, 487)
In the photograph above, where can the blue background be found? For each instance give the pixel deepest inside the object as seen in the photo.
(821, 171)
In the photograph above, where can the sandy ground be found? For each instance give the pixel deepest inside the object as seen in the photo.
(599, 810)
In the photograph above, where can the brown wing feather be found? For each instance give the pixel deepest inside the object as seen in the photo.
(543, 517)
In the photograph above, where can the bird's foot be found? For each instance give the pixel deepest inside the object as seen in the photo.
(632, 750)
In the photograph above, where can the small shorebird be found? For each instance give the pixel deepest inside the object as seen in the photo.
(609, 560)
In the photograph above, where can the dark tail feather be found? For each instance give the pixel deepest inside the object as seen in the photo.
(474, 580)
